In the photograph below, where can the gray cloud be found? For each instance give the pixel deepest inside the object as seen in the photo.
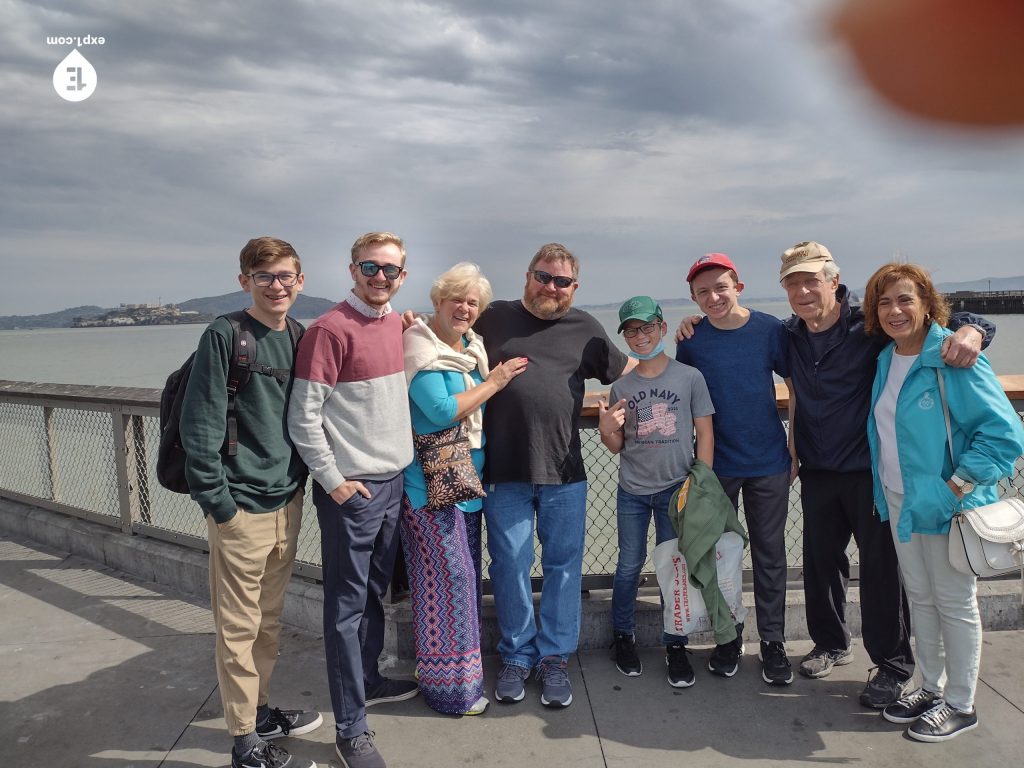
(640, 135)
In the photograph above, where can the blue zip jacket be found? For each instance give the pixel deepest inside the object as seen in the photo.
(987, 437)
(832, 392)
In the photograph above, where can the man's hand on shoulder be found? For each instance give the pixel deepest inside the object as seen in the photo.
(347, 490)
(961, 350)
(686, 326)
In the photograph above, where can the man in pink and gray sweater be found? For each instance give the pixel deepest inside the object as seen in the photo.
(349, 420)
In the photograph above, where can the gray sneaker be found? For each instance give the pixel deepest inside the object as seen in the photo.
(557, 691)
(511, 685)
(359, 752)
(819, 662)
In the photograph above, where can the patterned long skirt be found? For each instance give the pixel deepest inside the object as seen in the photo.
(442, 554)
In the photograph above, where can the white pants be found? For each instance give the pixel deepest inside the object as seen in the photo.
(944, 613)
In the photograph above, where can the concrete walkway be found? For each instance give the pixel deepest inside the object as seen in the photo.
(98, 670)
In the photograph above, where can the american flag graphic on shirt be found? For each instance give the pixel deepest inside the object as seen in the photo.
(655, 418)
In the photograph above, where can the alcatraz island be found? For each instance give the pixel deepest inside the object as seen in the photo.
(141, 314)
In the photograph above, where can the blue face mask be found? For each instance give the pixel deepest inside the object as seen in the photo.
(653, 353)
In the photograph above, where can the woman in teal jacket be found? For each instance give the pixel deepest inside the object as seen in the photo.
(918, 488)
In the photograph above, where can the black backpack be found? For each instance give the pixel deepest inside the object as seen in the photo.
(170, 461)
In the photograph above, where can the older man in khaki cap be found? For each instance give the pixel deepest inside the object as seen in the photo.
(832, 362)
(808, 257)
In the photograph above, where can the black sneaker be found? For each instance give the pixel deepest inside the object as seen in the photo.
(288, 722)
(775, 666)
(883, 689)
(725, 659)
(359, 752)
(267, 755)
(819, 662)
(626, 659)
(911, 706)
(941, 723)
(391, 690)
(680, 673)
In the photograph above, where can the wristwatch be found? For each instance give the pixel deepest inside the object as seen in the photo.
(979, 329)
(964, 486)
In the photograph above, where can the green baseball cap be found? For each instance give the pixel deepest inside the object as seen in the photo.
(639, 308)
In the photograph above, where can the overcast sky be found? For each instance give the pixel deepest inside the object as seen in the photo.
(639, 134)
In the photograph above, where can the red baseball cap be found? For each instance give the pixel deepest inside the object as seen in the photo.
(709, 260)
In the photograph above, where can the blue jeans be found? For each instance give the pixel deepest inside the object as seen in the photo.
(633, 516)
(560, 514)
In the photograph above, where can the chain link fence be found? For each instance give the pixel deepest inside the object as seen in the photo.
(603, 480)
(91, 452)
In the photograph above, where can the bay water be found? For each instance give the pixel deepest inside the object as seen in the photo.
(143, 356)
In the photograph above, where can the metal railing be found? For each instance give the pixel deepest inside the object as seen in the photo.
(91, 452)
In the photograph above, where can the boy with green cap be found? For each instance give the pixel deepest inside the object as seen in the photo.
(656, 408)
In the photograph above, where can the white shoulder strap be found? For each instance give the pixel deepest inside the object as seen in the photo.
(945, 414)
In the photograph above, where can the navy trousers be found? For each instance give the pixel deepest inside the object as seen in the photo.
(765, 511)
(837, 505)
(358, 542)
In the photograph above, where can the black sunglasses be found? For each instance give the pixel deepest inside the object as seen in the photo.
(544, 278)
(369, 269)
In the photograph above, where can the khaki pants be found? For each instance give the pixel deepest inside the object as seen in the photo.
(251, 558)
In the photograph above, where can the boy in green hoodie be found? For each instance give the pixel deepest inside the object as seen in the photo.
(252, 501)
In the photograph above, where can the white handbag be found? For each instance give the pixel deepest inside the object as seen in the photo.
(988, 540)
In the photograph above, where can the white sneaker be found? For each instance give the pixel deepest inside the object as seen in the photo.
(478, 708)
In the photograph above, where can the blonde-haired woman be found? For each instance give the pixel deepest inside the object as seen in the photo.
(922, 478)
(449, 381)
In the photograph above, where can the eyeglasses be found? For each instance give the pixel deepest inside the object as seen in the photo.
(369, 269)
(544, 278)
(646, 328)
(266, 279)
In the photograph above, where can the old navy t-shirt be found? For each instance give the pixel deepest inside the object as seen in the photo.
(658, 448)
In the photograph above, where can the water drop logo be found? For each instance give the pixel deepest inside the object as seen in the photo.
(74, 79)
